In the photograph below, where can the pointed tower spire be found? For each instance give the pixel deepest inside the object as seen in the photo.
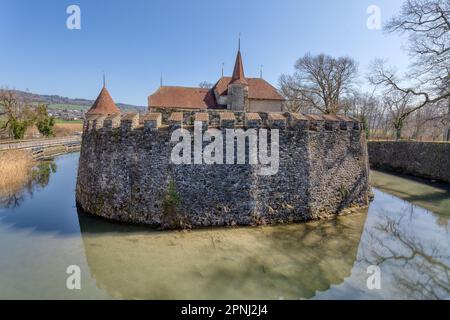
(104, 104)
(239, 42)
(104, 80)
(238, 72)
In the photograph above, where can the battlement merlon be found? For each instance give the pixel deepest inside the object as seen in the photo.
(223, 119)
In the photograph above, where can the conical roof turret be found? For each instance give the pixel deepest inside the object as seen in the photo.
(104, 104)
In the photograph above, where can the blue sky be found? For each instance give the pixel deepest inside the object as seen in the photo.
(135, 41)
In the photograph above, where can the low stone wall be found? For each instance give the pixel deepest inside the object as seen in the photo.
(125, 170)
(423, 159)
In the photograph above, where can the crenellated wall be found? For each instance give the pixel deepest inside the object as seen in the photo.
(125, 170)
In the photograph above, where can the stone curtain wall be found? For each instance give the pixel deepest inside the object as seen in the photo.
(423, 159)
(265, 105)
(125, 170)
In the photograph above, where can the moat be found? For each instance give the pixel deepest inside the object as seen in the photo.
(41, 234)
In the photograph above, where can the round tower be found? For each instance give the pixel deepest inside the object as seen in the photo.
(104, 104)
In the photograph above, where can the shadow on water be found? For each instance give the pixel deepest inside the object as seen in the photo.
(265, 262)
(321, 259)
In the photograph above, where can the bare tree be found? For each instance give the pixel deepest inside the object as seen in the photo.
(427, 25)
(364, 106)
(205, 84)
(428, 121)
(320, 81)
(18, 114)
(294, 102)
(397, 104)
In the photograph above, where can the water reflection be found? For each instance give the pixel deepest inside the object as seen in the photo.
(411, 248)
(290, 261)
(414, 249)
(39, 178)
(433, 196)
(44, 234)
(47, 203)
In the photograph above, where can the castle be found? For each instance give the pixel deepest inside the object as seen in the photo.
(233, 93)
(126, 170)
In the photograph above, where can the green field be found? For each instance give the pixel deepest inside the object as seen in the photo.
(61, 121)
(58, 106)
(68, 107)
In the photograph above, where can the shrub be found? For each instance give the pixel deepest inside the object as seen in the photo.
(17, 128)
(172, 218)
(44, 122)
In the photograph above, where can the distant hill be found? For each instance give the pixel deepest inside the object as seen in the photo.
(56, 102)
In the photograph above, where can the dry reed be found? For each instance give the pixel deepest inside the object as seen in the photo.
(67, 129)
(15, 171)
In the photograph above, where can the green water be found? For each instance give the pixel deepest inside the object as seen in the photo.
(41, 234)
(432, 196)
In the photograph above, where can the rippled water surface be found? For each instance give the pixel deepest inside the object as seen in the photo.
(41, 234)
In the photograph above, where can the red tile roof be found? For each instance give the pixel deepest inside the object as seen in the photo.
(182, 97)
(104, 104)
(257, 89)
(199, 98)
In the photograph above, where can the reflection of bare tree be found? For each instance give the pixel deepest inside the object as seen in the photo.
(419, 266)
(39, 178)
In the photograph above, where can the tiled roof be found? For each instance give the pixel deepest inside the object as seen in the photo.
(182, 97)
(257, 88)
(104, 104)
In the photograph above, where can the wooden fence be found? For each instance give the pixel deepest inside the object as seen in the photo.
(41, 148)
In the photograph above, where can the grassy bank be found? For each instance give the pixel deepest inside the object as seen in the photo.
(64, 129)
(61, 129)
(61, 121)
(15, 171)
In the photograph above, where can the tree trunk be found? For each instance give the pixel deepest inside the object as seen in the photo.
(398, 126)
(447, 124)
(398, 133)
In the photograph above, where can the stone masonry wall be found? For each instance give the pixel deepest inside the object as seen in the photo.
(125, 169)
(237, 97)
(256, 105)
(423, 159)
